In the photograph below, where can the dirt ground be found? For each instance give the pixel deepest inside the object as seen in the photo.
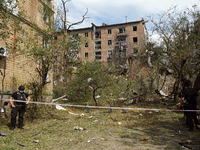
(135, 130)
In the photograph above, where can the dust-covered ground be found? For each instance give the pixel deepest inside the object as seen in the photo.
(135, 130)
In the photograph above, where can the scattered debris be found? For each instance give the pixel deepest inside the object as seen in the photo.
(124, 110)
(144, 139)
(140, 115)
(92, 139)
(132, 101)
(122, 99)
(59, 98)
(97, 120)
(189, 141)
(3, 134)
(90, 87)
(20, 144)
(82, 114)
(79, 128)
(35, 141)
(119, 123)
(150, 112)
(90, 117)
(59, 107)
(89, 79)
(172, 135)
(72, 113)
(98, 96)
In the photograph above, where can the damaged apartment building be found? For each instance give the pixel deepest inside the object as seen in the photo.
(115, 42)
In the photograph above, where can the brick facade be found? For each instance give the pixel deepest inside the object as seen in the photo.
(19, 69)
(132, 34)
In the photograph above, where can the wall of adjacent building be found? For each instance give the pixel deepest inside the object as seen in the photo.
(20, 69)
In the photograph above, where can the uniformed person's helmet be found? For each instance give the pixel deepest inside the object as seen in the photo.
(21, 87)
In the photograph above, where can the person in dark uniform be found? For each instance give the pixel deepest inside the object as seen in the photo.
(180, 94)
(189, 99)
(18, 107)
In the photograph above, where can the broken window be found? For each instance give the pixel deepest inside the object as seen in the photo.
(135, 40)
(109, 42)
(135, 50)
(122, 30)
(109, 31)
(97, 55)
(123, 41)
(98, 35)
(86, 34)
(86, 44)
(134, 28)
(97, 45)
(109, 54)
(86, 55)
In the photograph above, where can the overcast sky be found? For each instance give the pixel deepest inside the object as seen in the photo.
(115, 11)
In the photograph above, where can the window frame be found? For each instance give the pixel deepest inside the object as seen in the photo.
(134, 27)
(109, 31)
(134, 39)
(96, 56)
(109, 42)
(86, 34)
(85, 55)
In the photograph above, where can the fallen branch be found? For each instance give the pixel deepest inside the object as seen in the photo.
(20, 144)
(182, 144)
(37, 133)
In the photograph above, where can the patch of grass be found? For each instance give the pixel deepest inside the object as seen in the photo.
(55, 130)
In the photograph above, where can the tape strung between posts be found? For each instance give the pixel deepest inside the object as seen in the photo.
(100, 107)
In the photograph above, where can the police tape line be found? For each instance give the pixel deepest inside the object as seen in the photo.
(101, 107)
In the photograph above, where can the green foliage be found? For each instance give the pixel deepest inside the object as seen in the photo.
(89, 78)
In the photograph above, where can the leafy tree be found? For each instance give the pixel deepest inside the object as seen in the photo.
(176, 50)
(89, 79)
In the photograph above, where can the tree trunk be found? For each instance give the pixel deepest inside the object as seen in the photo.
(197, 83)
(94, 97)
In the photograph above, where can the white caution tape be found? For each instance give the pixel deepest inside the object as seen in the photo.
(101, 107)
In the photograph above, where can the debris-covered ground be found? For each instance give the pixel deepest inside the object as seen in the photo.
(76, 129)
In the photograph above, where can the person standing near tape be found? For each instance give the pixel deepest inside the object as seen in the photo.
(189, 100)
(18, 107)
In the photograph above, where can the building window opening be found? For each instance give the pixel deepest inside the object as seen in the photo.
(97, 45)
(86, 44)
(109, 31)
(134, 28)
(98, 35)
(123, 41)
(135, 40)
(97, 55)
(86, 34)
(109, 42)
(86, 55)
(109, 54)
(122, 30)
